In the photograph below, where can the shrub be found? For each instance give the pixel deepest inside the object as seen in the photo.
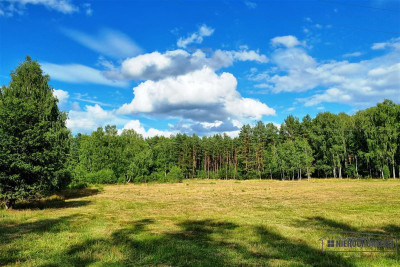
(175, 175)
(386, 171)
(104, 176)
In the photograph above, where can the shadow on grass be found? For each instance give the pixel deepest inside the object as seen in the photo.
(78, 193)
(50, 204)
(58, 200)
(198, 243)
(10, 233)
(321, 223)
(393, 230)
(325, 224)
(299, 252)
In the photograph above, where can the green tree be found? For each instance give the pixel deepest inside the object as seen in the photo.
(34, 141)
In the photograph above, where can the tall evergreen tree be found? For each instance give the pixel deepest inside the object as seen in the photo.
(34, 141)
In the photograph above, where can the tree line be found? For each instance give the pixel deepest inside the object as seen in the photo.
(330, 145)
(39, 154)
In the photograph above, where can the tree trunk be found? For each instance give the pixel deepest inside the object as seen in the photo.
(10, 203)
(393, 162)
(370, 171)
(358, 177)
(340, 171)
(308, 174)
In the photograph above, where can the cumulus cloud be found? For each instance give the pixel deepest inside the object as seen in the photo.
(229, 126)
(196, 37)
(76, 73)
(10, 7)
(61, 95)
(91, 118)
(201, 95)
(156, 65)
(107, 41)
(139, 128)
(287, 41)
(359, 83)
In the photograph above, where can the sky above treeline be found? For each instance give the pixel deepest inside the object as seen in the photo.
(205, 67)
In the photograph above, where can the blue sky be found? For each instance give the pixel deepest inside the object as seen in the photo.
(205, 67)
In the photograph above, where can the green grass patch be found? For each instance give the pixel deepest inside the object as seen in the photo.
(222, 223)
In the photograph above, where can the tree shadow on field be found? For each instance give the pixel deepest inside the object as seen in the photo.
(59, 200)
(78, 193)
(321, 223)
(327, 225)
(50, 204)
(300, 252)
(197, 243)
(190, 246)
(393, 230)
(12, 232)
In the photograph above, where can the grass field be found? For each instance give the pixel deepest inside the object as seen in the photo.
(202, 223)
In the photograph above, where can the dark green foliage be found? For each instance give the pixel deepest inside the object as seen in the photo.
(104, 176)
(329, 145)
(34, 142)
(175, 175)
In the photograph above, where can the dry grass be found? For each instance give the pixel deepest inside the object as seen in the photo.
(202, 222)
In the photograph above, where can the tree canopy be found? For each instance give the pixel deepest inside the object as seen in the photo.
(330, 145)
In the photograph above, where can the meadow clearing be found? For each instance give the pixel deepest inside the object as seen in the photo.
(201, 223)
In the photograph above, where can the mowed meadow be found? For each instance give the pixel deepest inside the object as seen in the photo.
(201, 223)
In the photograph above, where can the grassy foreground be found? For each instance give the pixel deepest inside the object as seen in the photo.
(202, 223)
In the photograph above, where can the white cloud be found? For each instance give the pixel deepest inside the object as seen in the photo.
(354, 54)
(248, 55)
(209, 125)
(229, 126)
(91, 118)
(288, 41)
(139, 128)
(360, 83)
(61, 95)
(18, 6)
(201, 95)
(108, 42)
(76, 73)
(248, 108)
(86, 98)
(196, 37)
(393, 43)
(156, 66)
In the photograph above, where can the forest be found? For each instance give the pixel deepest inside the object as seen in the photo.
(330, 145)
